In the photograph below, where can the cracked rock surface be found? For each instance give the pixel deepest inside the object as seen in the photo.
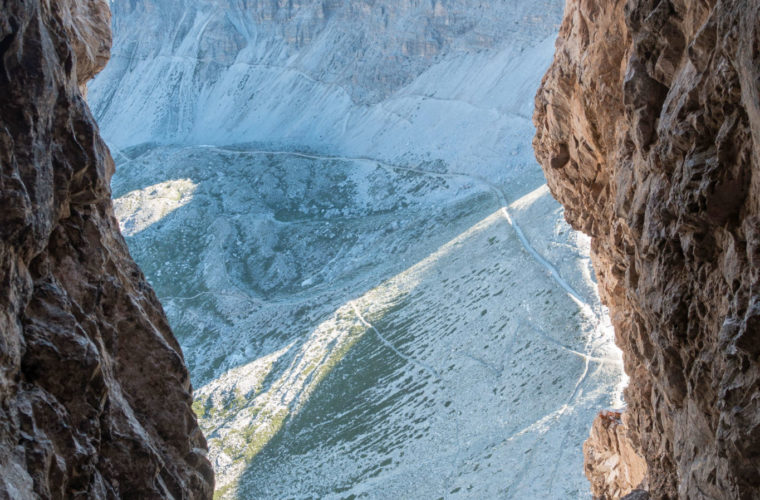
(612, 465)
(94, 392)
(648, 132)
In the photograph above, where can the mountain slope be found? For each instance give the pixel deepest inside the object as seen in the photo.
(339, 206)
(360, 78)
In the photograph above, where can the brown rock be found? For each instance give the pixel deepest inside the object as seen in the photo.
(94, 393)
(648, 130)
(612, 465)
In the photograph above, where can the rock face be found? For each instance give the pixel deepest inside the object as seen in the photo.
(365, 47)
(649, 134)
(612, 465)
(363, 77)
(94, 392)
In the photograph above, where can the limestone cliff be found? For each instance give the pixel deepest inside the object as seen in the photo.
(94, 392)
(363, 77)
(649, 133)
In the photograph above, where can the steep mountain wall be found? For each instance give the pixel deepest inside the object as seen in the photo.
(358, 78)
(649, 134)
(94, 392)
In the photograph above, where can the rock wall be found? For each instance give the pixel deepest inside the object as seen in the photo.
(94, 392)
(612, 464)
(359, 77)
(648, 130)
(365, 47)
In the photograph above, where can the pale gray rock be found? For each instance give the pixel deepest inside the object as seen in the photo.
(356, 77)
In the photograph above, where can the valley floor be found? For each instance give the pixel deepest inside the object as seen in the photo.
(360, 329)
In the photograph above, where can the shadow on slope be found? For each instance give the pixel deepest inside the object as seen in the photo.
(401, 325)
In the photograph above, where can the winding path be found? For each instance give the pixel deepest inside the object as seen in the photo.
(393, 348)
(498, 192)
(552, 270)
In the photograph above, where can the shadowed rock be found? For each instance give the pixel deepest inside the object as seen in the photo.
(94, 391)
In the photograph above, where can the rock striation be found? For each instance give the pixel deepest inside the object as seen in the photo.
(95, 396)
(355, 76)
(648, 130)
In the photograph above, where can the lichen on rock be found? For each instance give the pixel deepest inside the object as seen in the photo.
(96, 399)
(648, 130)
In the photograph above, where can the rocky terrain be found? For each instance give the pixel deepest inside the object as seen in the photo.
(95, 396)
(346, 320)
(339, 207)
(451, 79)
(612, 465)
(340, 335)
(648, 132)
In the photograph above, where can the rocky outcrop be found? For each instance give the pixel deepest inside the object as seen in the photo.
(612, 465)
(648, 130)
(94, 392)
